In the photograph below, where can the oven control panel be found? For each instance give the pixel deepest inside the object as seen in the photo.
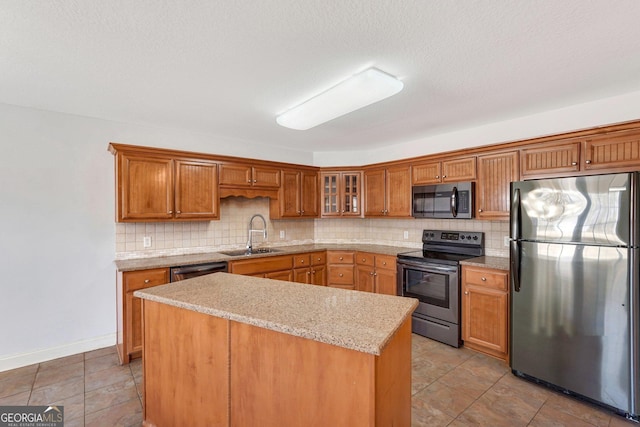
(455, 237)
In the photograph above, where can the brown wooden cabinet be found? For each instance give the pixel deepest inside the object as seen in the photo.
(388, 192)
(550, 159)
(375, 273)
(279, 267)
(485, 310)
(450, 170)
(617, 151)
(341, 269)
(495, 173)
(341, 194)
(310, 268)
(128, 314)
(159, 188)
(246, 175)
(298, 195)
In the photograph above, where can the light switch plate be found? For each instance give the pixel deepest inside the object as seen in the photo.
(506, 241)
(146, 241)
(282, 234)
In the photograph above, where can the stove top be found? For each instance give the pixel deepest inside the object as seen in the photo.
(447, 247)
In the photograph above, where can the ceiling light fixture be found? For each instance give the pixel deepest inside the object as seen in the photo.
(360, 90)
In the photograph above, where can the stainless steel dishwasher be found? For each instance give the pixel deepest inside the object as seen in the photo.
(195, 270)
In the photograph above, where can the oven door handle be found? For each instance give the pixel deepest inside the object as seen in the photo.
(428, 266)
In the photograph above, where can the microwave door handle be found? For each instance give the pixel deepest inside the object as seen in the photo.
(454, 202)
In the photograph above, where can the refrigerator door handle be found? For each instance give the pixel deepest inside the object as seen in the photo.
(515, 214)
(454, 202)
(515, 264)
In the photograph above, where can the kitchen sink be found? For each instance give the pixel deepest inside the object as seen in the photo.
(246, 252)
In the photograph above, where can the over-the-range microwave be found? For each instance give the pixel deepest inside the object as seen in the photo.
(453, 200)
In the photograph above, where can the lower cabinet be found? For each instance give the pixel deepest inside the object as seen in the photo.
(485, 310)
(341, 269)
(273, 267)
(376, 273)
(128, 309)
(310, 268)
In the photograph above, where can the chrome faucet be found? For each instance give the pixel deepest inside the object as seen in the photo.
(250, 231)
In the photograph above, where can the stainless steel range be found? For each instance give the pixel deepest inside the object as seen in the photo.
(432, 275)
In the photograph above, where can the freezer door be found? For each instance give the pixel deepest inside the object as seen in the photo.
(593, 210)
(570, 320)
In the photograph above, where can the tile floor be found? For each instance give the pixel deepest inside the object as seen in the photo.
(451, 387)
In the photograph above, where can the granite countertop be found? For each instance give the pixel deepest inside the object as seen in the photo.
(179, 260)
(354, 320)
(498, 263)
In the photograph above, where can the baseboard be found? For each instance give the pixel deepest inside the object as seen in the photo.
(24, 359)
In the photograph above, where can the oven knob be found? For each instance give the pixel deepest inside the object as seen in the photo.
(432, 234)
(475, 237)
(462, 237)
(468, 237)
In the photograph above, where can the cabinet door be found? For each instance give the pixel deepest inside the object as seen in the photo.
(309, 194)
(398, 192)
(302, 275)
(617, 151)
(549, 159)
(374, 192)
(330, 194)
(319, 275)
(459, 169)
(235, 175)
(426, 173)
(364, 278)
(485, 315)
(350, 186)
(286, 275)
(495, 173)
(290, 194)
(146, 191)
(196, 190)
(386, 282)
(265, 177)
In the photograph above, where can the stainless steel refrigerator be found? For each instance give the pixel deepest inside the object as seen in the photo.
(574, 257)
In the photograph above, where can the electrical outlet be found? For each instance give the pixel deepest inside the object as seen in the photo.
(406, 235)
(282, 234)
(146, 241)
(506, 241)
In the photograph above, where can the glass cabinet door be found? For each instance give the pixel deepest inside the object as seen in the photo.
(341, 193)
(330, 196)
(351, 193)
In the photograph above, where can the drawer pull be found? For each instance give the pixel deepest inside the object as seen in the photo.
(466, 292)
(301, 261)
(484, 279)
(364, 260)
(574, 163)
(147, 281)
(341, 258)
(588, 162)
(341, 275)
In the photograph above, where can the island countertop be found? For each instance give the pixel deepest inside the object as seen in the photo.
(354, 320)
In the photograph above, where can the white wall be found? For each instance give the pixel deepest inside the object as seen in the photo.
(607, 111)
(57, 286)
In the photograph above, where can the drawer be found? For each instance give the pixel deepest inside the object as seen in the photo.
(365, 258)
(385, 262)
(484, 277)
(134, 280)
(302, 260)
(341, 275)
(339, 257)
(261, 265)
(318, 258)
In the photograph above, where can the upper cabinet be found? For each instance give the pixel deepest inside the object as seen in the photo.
(298, 195)
(341, 194)
(162, 188)
(388, 192)
(551, 158)
(614, 151)
(451, 170)
(245, 175)
(495, 174)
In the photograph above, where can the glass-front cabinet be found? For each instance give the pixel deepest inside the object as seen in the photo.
(341, 193)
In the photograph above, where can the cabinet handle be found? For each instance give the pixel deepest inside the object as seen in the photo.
(313, 272)
(249, 181)
(178, 212)
(574, 163)
(444, 176)
(588, 162)
(170, 212)
(479, 210)
(437, 176)
(340, 258)
(375, 274)
(301, 261)
(308, 273)
(318, 259)
(147, 281)
(384, 262)
(255, 180)
(341, 274)
(466, 292)
(364, 259)
(371, 274)
(484, 279)
(299, 212)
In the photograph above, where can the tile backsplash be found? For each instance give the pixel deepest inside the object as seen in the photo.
(174, 238)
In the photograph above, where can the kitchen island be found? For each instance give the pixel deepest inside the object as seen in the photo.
(226, 350)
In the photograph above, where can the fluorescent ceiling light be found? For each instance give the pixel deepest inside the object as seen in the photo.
(357, 91)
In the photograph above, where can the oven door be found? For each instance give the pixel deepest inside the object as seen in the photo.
(436, 286)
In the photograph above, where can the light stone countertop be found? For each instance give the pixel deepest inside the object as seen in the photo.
(180, 260)
(354, 320)
(498, 263)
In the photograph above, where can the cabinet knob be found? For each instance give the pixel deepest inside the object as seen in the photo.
(484, 279)
(371, 274)
(466, 292)
(308, 273)
(444, 176)
(313, 272)
(364, 259)
(147, 281)
(301, 261)
(299, 212)
(437, 176)
(170, 212)
(341, 274)
(178, 212)
(574, 163)
(588, 162)
(248, 181)
(255, 180)
(479, 210)
(341, 258)
(302, 212)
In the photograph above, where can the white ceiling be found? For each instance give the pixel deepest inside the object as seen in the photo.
(229, 67)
